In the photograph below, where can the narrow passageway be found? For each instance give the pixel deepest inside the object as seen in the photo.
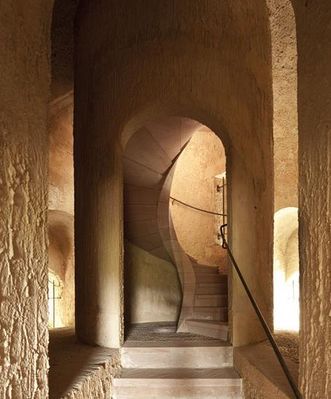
(176, 281)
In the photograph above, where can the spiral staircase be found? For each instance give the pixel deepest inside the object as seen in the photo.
(149, 165)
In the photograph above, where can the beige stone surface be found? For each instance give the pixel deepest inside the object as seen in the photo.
(262, 375)
(314, 86)
(80, 371)
(25, 73)
(61, 203)
(152, 287)
(61, 262)
(193, 183)
(61, 171)
(285, 110)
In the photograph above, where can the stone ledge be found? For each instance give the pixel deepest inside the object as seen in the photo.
(79, 371)
(263, 378)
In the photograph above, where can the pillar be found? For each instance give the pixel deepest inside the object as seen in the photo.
(98, 241)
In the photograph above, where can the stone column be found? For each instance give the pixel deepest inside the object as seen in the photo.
(98, 241)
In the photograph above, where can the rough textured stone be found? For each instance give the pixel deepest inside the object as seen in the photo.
(24, 70)
(285, 115)
(314, 104)
(97, 384)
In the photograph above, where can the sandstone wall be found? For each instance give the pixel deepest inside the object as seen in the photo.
(24, 81)
(193, 183)
(314, 105)
(97, 384)
(285, 110)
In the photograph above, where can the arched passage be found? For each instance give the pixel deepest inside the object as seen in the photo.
(165, 158)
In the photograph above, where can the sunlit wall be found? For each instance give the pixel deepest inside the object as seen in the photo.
(286, 270)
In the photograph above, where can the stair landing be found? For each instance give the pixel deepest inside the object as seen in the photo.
(160, 363)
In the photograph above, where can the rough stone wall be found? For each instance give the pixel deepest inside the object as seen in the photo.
(285, 111)
(179, 58)
(314, 105)
(24, 82)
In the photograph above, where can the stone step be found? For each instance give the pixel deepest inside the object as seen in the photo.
(211, 300)
(213, 329)
(177, 383)
(210, 313)
(211, 288)
(211, 278)
(206, 269)
(177, 357)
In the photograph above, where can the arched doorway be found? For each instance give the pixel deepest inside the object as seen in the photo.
(172, 256)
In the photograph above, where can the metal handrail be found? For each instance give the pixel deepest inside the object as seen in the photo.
(261, 318)
(196, 208)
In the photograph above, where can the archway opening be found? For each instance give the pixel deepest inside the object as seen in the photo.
(286, 270)
(172, 212)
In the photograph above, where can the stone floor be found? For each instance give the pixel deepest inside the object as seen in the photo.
(288, 343)
(164, 334)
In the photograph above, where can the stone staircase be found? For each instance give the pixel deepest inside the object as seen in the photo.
(210, 309)
(181, 372)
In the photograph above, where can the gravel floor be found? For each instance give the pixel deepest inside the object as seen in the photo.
(288, 343)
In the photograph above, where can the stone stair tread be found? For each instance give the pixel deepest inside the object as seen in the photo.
(181, 373)
(211, 288)
(211, 300)
(210, 278)
(210, 322)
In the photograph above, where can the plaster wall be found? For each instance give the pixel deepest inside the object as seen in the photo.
(181, 59)
(24, 81)
(314, 88)
(193, 183)
(152, 288)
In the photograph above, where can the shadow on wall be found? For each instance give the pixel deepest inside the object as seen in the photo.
(286, 270)
(153, 292)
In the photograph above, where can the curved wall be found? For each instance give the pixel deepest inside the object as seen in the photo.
(153, 292)
(193, 183)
